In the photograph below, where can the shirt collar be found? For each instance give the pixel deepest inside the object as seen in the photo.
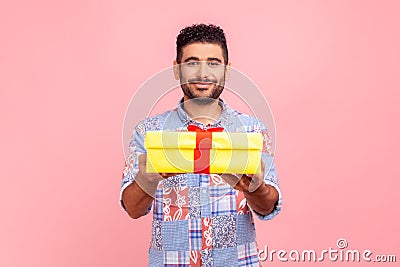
(220, 122)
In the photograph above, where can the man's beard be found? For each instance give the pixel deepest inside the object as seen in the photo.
(216, 90)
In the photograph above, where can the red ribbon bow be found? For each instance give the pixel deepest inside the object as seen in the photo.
(203, 146)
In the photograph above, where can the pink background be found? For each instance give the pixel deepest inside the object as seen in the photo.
(330, 71)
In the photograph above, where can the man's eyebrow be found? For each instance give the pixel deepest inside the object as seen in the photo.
(192, 58)
(214, 59)
(208, 59)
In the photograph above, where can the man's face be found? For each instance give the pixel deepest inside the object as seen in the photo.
(202, 72)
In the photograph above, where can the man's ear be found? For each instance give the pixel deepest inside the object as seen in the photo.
(227, 71)
(176, 70)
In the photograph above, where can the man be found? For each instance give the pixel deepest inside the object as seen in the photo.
(200, 219)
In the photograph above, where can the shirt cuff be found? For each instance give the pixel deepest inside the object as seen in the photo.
(277, 208)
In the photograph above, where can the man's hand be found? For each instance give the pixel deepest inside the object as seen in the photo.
(149, 181)
(243, 182)
(139, 195)
(260, 196)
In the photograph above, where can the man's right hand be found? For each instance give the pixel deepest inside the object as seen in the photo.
(143, 175)
(138, 196)
(150, 178)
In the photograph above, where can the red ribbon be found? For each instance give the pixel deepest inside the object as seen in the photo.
(203, 146)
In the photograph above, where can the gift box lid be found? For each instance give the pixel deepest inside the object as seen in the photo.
(187, 140)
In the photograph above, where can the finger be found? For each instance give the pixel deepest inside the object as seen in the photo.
(231, 179)
(167, 175)
(142, 158)
(255, 182)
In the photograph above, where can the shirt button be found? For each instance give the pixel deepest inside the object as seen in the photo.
(204, 191)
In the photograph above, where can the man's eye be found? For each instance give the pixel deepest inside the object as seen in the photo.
(213, 63)
(192, 63)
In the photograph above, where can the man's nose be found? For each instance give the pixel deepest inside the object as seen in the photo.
(203, 70)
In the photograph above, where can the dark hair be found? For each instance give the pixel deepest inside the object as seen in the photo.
(201, 33)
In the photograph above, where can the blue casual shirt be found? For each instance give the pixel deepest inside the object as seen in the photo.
(199, 219)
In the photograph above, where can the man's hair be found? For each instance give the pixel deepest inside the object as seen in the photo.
(201, 33)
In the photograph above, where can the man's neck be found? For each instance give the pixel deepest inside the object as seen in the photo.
(203, 113)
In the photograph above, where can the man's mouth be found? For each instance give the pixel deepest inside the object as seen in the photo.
(202, 85)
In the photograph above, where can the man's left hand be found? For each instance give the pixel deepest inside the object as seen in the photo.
(243, 182)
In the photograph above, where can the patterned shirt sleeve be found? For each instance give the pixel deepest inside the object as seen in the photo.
(136, 147)
(271, 175)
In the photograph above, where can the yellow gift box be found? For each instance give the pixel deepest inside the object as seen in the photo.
(203, 152)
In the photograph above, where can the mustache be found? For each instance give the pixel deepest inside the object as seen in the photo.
(205, 80)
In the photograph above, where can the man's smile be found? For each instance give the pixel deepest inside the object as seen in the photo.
(202, 85)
